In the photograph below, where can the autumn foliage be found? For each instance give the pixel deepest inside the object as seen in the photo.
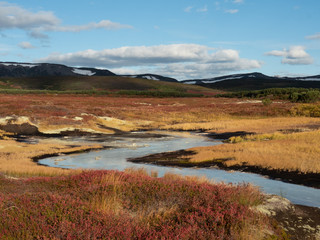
(126, 205)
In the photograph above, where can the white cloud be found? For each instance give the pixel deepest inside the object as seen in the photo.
(313, 37)
(295, 55)
(35, 23)
(13, 16)
(204, 9)
(188, 9)
(232, 11)
(131, 56)
(238, 1)
(206, 70)
(26, 45)
(276, 53)
(178, 60)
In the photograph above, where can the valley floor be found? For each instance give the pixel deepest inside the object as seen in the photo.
(276, 137)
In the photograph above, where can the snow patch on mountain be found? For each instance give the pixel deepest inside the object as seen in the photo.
(191, 82)
(20, 64)
(213, 80)
(83, 72)
(150, 78)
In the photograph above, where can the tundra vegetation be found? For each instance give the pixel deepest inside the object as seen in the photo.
(52, 203)
(129, 205)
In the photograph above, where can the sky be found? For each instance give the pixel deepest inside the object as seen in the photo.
(183, 39)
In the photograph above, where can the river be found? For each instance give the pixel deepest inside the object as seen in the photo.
(123, 148)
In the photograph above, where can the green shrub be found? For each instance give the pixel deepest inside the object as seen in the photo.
(292, 94)
(307, 110)
(266, 101)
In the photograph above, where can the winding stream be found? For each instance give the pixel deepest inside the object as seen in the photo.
(130, 147)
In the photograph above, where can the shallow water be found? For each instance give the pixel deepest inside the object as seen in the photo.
(136, 147)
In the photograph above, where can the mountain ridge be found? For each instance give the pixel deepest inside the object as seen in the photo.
(16, 69)
(255, 81)
(233, 82)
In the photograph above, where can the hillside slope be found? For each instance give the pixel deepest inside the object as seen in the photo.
(98, 83)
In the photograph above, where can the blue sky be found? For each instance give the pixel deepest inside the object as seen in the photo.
(182, 39)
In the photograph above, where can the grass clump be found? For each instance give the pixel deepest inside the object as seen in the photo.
(256, 137)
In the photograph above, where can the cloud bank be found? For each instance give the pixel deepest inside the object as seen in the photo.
(295, 55)
(176, 60)
(36, 23)
(313, 37)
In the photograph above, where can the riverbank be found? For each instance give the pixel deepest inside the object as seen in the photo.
(182, 158)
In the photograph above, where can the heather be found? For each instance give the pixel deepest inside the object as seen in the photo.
(127, 205)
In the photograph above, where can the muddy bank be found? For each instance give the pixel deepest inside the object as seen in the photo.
(180, 159)
(62, 153)
(227, 135)
(29, 134)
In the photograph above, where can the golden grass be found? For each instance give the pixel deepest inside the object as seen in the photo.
(110, 202)
(16, 158)
(257, 125)
(295, 151)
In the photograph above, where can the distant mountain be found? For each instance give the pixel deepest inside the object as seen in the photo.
(255, 81)
(19, 70)
(57, 77)
(13, 69)
(153, 77)
(48, 76)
